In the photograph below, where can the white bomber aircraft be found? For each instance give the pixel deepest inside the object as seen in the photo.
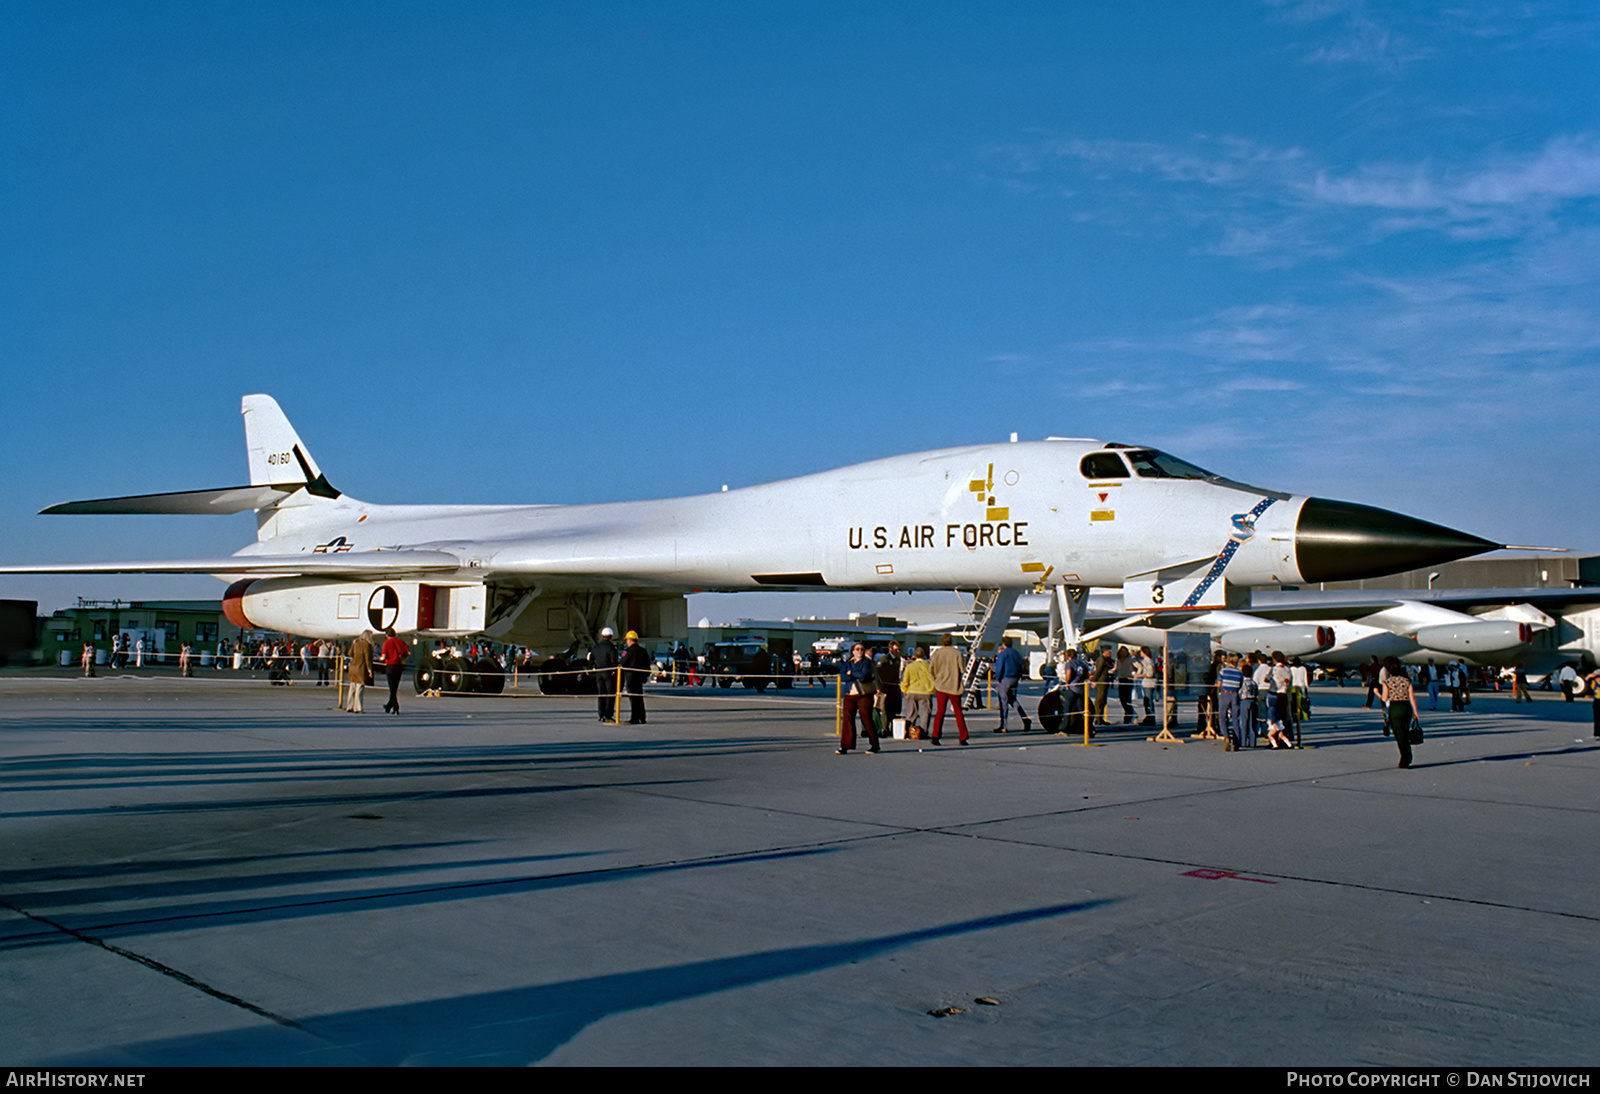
(1055, 516)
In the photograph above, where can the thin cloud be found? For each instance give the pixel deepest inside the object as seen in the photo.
(1424, 355)
(1566, 169)
(1389, 37)
(1262, 383)
(1351, 35)
(1278, 207)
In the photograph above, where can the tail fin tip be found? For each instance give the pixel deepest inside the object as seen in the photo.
(276, 454)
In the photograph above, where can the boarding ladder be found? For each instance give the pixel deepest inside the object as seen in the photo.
(991, 611)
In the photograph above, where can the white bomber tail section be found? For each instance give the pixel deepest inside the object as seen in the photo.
(279, 459)
(277, 456)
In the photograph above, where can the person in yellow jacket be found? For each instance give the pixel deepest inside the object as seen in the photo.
(916, 682)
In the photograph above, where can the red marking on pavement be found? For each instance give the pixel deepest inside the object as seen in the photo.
(1216, 875)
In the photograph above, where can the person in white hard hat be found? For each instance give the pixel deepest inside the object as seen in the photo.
(604, 660)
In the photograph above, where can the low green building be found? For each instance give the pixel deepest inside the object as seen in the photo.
(163, 624)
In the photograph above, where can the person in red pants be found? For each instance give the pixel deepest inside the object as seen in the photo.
(946, 666)
(859, 683)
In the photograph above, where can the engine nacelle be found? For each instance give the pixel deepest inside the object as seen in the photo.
(1475, 638)
(319, 608)
(1293, 640)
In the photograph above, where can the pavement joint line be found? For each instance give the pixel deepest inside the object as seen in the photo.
(957, 830)
(1468, 801)
(1124, 856)
(1324, 780)
(157, 966)
(645, 791)
(1129, 803)
(890, 830)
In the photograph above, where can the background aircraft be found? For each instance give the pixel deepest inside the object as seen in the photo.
(1537, 628)
(1057, 516)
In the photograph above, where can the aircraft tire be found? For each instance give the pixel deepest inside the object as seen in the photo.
(724, 681)
(549, 682)
(453, 676)
(491, 677)
(427, 670)
(1050, 711)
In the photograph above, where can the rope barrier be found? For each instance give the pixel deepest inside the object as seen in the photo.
(1207, 729)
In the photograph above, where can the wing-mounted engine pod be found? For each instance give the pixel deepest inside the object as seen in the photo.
(324, 608)
(233, 604)
(1487, 636)
(1289, 639)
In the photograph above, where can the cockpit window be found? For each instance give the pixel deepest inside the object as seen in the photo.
(1151, 464)
(1103, 465)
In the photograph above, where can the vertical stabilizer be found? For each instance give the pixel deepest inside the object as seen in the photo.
(277, 456)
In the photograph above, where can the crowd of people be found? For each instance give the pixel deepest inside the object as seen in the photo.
(1249, 700)
(879, 688)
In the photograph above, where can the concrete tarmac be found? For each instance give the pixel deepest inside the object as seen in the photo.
(220, 872)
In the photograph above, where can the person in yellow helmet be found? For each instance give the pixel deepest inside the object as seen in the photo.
(635, 671)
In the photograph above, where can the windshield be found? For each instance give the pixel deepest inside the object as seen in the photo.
(1151, 464)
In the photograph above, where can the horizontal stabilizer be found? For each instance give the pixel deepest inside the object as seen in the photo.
(351, 563)
(232, 499)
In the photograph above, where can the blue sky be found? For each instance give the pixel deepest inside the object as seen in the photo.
(562, 253)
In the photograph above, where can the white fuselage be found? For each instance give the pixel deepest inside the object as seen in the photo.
(1002, 515)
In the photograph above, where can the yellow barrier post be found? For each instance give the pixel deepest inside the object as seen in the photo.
(1208, 728)
(1088, 707)
(616, 702)
(838, 707)
(1167, 713)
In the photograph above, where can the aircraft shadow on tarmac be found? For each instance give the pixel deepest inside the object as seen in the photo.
(1524, 756)
(520, 753)
(339, 800)
(169, 771)
(520, 1025)
(1339, 726)
(185, 914)
(117, 883)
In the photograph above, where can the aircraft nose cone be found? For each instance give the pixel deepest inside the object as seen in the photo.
(1341, 541)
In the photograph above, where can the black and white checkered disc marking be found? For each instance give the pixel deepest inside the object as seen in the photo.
(383, 607)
